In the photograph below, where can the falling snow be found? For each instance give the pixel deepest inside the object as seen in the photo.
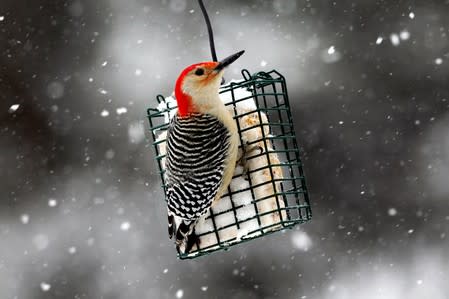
(13, 108)
(45, 287)
(392, 212)
(104, 113)
(331, 55)
(301, 240)
(179, 294)
(52, 202)
(395, 40)
(83, 211)
(25, 218)
(404, 35)
(125, 226)
(121, 110)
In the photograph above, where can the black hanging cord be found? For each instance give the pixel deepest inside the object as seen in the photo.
(209, 30)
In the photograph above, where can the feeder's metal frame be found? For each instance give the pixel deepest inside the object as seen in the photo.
(257, 84)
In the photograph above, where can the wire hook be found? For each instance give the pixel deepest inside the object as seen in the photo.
(209, 30)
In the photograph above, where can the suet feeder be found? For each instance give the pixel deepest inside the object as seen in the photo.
(268, 191)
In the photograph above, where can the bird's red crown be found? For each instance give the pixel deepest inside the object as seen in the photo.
(184, 100)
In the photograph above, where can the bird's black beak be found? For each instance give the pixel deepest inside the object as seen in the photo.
(228, 60)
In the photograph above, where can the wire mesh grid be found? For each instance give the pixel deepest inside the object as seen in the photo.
(270, 161)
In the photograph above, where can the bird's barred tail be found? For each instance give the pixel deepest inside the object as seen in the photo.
(184, 232)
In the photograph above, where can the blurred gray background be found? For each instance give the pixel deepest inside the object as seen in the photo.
(81, 211)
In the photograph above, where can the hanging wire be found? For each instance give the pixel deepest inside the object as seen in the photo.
(209, 30)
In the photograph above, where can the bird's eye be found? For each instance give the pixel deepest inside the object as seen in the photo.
(199, 72)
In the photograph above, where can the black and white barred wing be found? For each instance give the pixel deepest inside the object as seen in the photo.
(197, 147)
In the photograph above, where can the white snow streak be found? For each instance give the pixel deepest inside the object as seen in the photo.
(13, 108)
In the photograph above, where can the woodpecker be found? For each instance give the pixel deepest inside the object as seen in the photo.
(202, 146)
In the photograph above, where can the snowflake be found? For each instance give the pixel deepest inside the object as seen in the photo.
(13, 108)
(179, 293)
(45, 286)
(121, 110)
(125, 226)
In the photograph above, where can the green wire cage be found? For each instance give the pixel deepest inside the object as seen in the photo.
(268, 192)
